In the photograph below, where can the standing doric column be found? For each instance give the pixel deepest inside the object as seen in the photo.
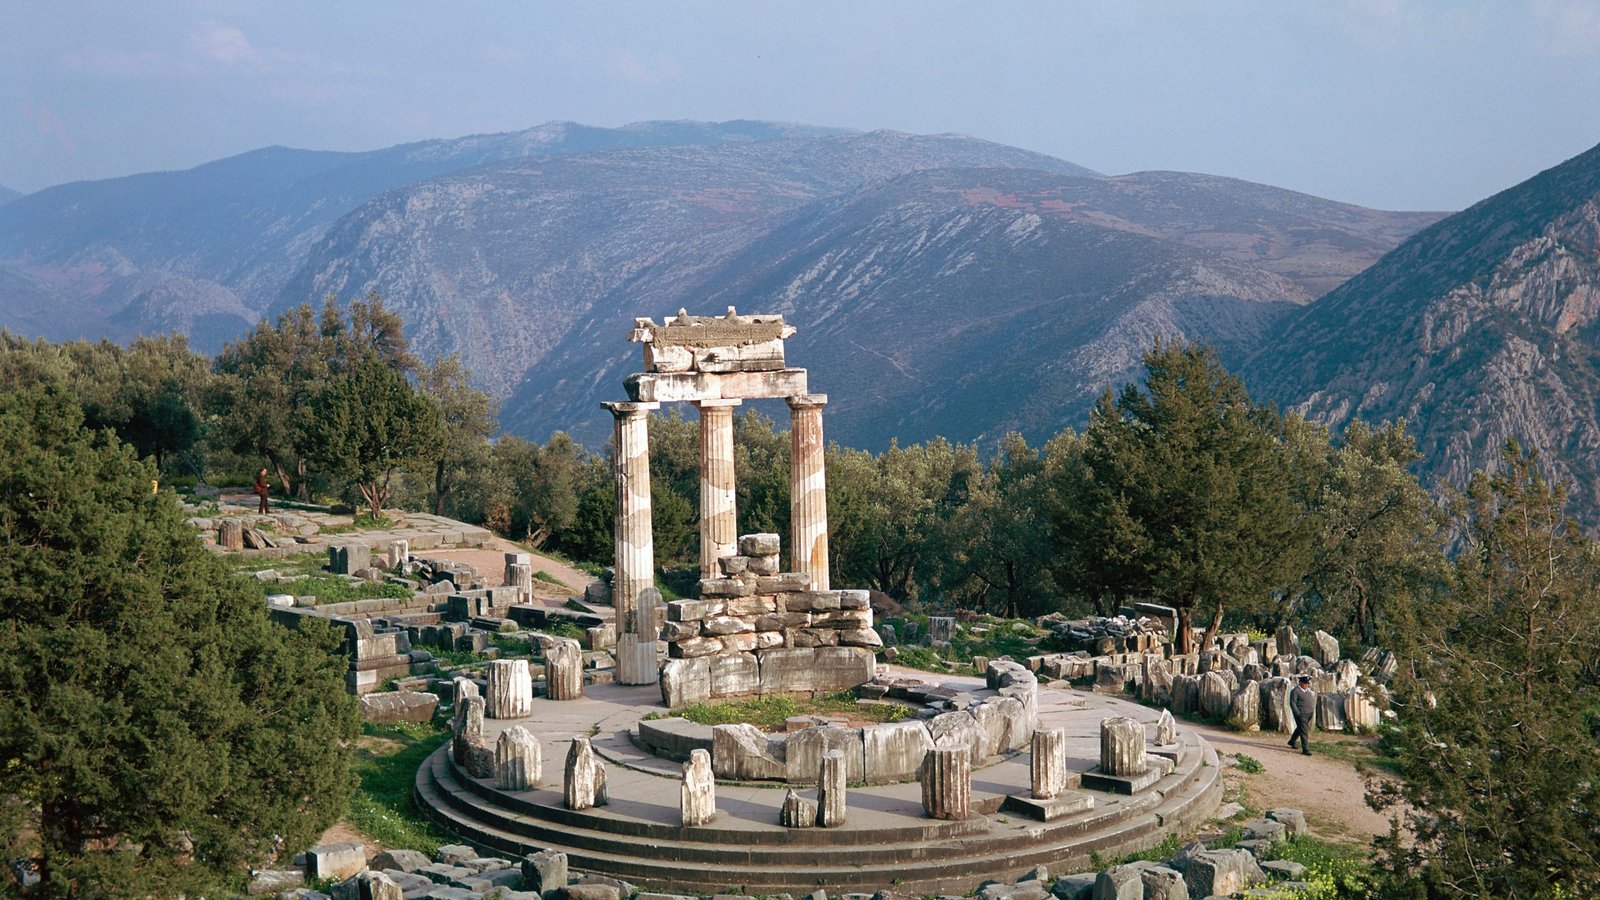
(808, 490)
(719, 527)
(635, 547)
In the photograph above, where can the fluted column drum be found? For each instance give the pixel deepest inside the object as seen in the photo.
(718, 517)
(1122, 747)
(808, 490)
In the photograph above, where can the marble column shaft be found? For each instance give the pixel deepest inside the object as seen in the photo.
(808, 490)
(634, 541)
(510, 689)
(719, 525)
(1049, 763)
(563, 670)
(1122, 746)
(947, 783)
(698, 795)
(518, 760)
(831, 787)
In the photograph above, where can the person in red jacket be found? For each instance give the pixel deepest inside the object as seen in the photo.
(262, 489)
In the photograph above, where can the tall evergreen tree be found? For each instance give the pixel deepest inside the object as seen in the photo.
(1182, 493)
(159, 732)
(1498, 707)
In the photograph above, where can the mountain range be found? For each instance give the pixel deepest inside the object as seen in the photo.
(940, 284)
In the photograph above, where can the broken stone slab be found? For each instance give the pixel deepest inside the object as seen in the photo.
(1222, 872)
(742, 752)
(797, 812)
(390, 707)
(1166, 729)
(893, 751)
(1293, 819)
(544, 871)
(685, 681)
(399, 860)
(368, 886)
(584, 778)
(804, 750)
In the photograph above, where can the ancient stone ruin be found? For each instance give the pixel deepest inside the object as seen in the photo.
(754, 629)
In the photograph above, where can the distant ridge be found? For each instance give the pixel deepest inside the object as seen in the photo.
(942, 284)
(1483, 327)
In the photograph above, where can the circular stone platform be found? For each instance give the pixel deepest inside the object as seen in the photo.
(886, 841)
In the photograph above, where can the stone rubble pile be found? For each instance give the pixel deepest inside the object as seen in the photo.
(1103, 636)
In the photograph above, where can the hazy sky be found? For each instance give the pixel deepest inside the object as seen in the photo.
(1402, 105)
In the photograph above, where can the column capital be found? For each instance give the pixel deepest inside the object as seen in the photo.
(807, 401)
(624, 409)
(715, 403)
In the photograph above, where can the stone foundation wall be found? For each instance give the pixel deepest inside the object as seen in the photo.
(756, 631)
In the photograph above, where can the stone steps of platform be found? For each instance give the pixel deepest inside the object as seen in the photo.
(917, 864)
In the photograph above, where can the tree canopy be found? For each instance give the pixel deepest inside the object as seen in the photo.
(159, 731)
(1182, 494)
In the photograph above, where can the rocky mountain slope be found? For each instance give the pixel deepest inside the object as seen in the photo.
(941, 284)
(1483, 327)
(206, 250)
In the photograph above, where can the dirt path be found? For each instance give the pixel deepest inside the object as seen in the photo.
(1330, 791)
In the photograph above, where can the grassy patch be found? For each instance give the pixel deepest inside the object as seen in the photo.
(386, 762)
(925, 658)
(564, 628)
(1248, 764)
(771, 712)
(547, 578)
(1364, 755)
(1333, 871)
(333, 589)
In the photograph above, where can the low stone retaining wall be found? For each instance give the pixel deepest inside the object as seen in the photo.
(988, 723)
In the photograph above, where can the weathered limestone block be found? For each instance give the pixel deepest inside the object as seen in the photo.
(718, 626)
(544, 871)
(230, 534)
(689, 648)
(1215, 695)
(1287, 643)
(1324, 648)
(1014, 714)
(1360, 713)
(399, 553)
(769, 640)
(510, 689)
(804, 751)
(941, 630)
(1330, 712)
(1294, 819)
(1163, 883)
(860, 637)
(685, 681)
(961, 729)
(699, 792)
(1345, 674)
(886, 633)
(751, 606)
(390, 707)
(894, 750)
(733, 675)
(1185, 694)
(741, 752)
(992, 726)
(368, 886)
(468, 726)
(1221, 873)
(694, 610)
(1048, 766)
(584, 780)
(339, 860)
(1244, 711)
(788, 670)
(1276, 714)
(797, 812)
(739, 643)
(347, 559)
(1122, 747)
(722, 588)
(563, 670)
(518, 760)
(831, 784)
(763, 544)
(946, 776)
(1166, 730)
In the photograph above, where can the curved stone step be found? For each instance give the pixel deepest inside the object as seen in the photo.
(958, 863)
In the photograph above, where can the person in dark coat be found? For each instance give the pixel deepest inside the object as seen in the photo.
(1303, 703)
(262, 489)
